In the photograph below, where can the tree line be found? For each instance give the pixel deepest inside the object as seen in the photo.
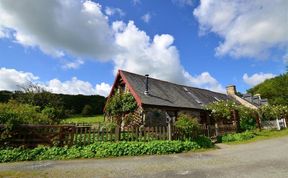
(67, 104)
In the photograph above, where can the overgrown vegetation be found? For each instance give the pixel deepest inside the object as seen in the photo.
(101, 150)
(275, 90)
(187, 125)
(221, 109)
(119, 106)
(273, 112)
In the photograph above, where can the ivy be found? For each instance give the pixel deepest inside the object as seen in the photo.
(119, 105)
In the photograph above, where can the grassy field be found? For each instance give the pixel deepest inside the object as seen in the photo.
(81, 119)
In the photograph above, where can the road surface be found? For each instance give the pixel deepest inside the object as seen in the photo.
(268, 158)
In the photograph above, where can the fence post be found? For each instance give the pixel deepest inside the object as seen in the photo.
(216, 129)
(117, 133)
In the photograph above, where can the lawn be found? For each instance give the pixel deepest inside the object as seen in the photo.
(81, 119)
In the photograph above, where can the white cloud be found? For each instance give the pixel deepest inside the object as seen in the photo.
(146, 17)
(157, 57)
(110, 11)
(80, 29)
(103, 89)
(248, 28)
(11, 79)
(183, 3)
(58, 27)
(73, 65)
(257, 78)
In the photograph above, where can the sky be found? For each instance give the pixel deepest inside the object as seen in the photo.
(77, 46)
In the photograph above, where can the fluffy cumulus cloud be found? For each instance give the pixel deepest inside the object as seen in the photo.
(58, 27)
(11, 79)
(80, 29)
(157, 57)
(103, 89)
(256, 78)
(248, 28)
(76, 86)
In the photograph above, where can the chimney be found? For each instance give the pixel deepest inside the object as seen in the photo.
(146, 92)
(231, 90)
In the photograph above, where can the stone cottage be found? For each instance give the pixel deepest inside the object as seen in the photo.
(159, 102)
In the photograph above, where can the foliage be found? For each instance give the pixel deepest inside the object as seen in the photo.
(119, 105)
(275, 90)
(272, 112)
(53, 113)
(221, 109)
(71, 104)
(101, 150)
(187, 125)
(247, 118)
(87, 110)
(14, 113)
(236, 137)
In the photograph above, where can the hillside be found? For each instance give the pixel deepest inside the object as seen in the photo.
(275, 89)
(72, 103)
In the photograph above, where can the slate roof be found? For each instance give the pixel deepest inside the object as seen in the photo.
(163, 93)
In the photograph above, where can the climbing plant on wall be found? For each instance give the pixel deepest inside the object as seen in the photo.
(120, 105)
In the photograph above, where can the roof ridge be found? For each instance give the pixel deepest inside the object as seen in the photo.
(173, 83)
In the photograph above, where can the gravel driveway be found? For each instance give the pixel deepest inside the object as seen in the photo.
(267, 158)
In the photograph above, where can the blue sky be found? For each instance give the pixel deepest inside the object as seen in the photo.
(77, 46)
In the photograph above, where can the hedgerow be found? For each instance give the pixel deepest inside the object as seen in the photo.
(102, 150)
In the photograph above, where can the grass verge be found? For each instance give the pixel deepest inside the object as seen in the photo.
(252, 136)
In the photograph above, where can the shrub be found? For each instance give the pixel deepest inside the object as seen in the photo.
(13, 114)
(247, 118)
(187, 125)
(87, 110)
(102, 149)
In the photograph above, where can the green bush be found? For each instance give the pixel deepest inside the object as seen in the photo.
(236, 137)
(87, 110)
(247, 118)
(17, 113)
(102, 149)
(187, 125)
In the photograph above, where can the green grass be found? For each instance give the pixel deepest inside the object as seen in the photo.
(81, 119)
(263, 135)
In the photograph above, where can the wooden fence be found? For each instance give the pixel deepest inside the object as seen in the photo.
(60, 135)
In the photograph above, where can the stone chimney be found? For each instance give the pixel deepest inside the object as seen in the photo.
(231, 90)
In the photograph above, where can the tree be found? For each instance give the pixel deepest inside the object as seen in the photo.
(119, 106)
(87, 110)
(275, 90)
